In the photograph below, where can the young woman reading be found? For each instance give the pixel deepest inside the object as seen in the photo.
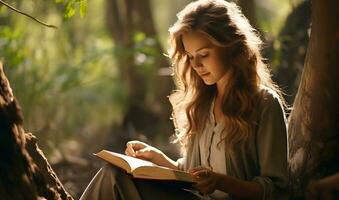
(228, 114)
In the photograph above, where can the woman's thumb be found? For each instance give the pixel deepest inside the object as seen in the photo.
(142, 153)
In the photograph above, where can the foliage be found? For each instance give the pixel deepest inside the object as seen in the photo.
(70, 7)
(271, 16)
(65, 80)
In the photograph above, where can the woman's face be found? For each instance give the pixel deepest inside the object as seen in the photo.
(205, 58)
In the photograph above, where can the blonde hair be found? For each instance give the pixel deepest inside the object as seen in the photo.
(225, 26)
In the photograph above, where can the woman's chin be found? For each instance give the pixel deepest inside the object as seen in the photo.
(207, 82)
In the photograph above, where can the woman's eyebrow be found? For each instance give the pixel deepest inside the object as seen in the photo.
(204, 47)
(199, 49)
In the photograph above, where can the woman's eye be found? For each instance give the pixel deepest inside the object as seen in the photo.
(204, 55)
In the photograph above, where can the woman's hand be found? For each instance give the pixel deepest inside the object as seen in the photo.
(143, 151)
(206, 179)
(147, 152)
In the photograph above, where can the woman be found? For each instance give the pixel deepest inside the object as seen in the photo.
(228, 113)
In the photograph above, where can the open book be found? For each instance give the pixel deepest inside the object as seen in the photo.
(144, 169)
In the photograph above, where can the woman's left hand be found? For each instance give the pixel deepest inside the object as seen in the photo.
(206, 179)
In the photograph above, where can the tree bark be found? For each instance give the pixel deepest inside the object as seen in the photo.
(314, 122)
(24, 171)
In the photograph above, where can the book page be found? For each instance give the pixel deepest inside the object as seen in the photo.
(123, 161)
(133, 162)
(144, 169)
(162, 173)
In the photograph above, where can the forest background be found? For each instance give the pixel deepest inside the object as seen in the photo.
(101, 78)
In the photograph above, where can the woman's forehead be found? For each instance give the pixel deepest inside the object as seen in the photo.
(195, 41)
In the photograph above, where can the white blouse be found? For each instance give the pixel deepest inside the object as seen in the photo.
(212, 150)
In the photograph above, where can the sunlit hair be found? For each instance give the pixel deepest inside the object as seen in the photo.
(225, 26)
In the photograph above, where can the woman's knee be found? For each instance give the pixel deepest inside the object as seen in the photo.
(114, 173)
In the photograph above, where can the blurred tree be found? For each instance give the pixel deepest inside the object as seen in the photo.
(139, 56)
(293, 39)
(314, 121)
(65, 81)
(60, 74)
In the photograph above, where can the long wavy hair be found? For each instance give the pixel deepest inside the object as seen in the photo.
(225, 26)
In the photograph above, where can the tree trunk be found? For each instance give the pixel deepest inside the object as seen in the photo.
(314, 122)
(294, 39)
(148, 110)
(24, 171)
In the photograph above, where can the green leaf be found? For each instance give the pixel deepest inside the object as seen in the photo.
(69, 9)
(83, 8)
(139, 37)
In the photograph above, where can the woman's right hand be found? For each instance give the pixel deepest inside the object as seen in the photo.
(144, 151)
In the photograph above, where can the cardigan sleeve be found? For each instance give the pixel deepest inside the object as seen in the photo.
(272, 151)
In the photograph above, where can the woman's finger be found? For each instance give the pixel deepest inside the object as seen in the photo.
(196, 169)
(202, 173)
(144, 153)
(204, 182)
(129, 151)
(206, 186)
(136, 145)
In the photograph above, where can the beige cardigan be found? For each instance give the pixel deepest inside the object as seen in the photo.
(264, 159)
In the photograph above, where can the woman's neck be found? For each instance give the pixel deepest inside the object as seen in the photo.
(221, 90)
(222, 85)
(217, 110)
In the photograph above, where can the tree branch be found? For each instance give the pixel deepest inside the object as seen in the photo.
(25, 14)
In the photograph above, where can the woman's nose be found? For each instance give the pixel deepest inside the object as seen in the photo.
(196, 62)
